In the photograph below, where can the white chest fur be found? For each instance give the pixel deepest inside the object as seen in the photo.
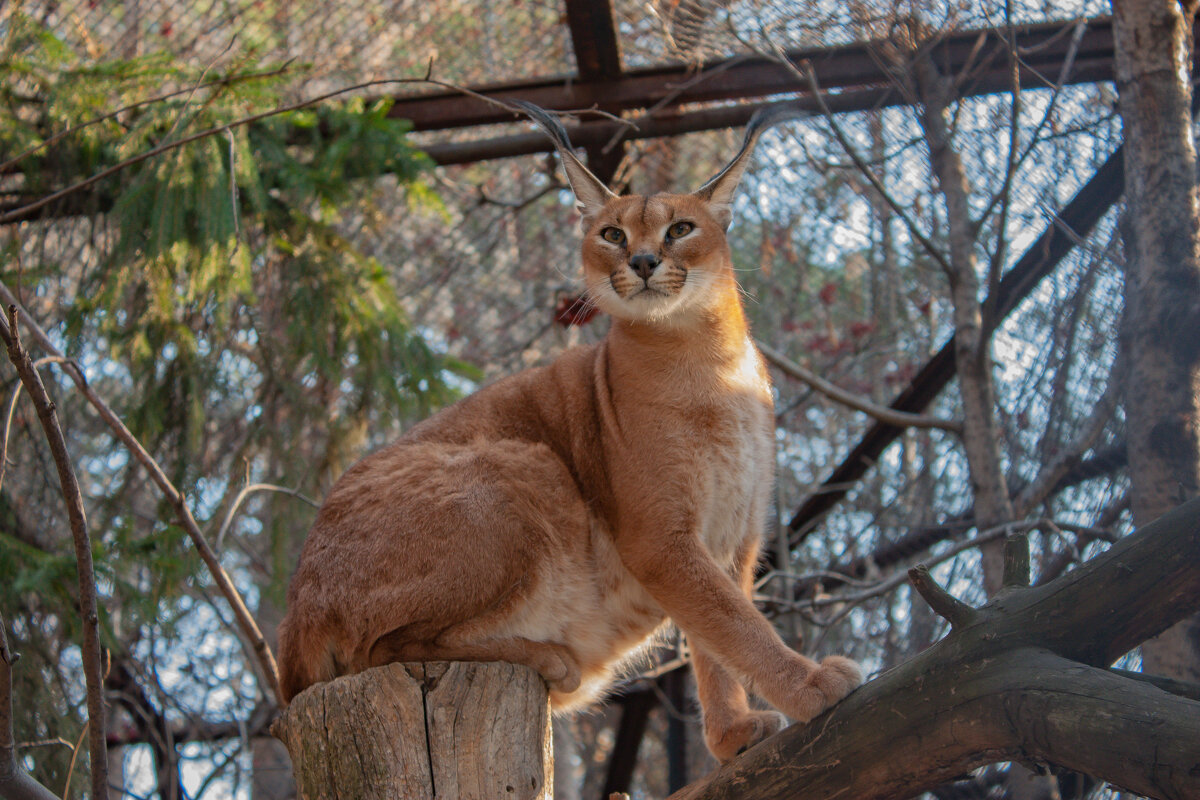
(738, 460)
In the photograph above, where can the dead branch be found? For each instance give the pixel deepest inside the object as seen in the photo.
(93, 669)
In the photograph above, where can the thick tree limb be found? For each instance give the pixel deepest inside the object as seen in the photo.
(1024, 680)
(906, 733)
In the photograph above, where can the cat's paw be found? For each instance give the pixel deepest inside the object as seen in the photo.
(558, 668)
(728, 742)
(837, 677)
(826, 684)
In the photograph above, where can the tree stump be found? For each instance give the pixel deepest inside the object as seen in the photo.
(456, 730)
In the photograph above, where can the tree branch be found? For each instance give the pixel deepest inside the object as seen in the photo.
(1020, 705)
(93, 669)
(241, 498)
(1020, 692)
(944, 604)
(810, 76)
(901, 419)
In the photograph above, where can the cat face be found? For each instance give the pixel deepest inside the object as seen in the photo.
(652, 258)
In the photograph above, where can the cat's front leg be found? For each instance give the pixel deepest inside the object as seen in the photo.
(714, 613)
(730, 726)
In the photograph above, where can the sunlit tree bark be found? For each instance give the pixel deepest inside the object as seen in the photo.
(1162, 281)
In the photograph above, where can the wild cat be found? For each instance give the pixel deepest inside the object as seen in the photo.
(558, 517)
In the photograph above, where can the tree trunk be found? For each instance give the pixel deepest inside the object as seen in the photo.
(1162, 281)
(473, 731)
(972, 341)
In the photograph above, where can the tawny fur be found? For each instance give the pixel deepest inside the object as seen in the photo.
(558, 517)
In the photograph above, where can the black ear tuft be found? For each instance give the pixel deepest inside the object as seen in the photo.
(718, 191)
(768, 117)
(590, 193)
(546, 122)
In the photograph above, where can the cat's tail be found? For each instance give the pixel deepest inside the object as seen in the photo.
(305, 656)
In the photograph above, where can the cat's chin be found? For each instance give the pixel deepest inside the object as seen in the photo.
(651, 306)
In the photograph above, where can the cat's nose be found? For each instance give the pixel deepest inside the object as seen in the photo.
(643, 264)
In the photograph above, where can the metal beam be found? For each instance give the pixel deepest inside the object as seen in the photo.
(671, 123)
(1042, 49)
(594, 39)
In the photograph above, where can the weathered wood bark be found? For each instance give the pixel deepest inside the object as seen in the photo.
(1161, 230)
(1021, 678)
(455, 730)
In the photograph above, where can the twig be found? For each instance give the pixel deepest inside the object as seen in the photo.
(12, 406)
(1035, 136)
(75, 759)
(996, 262)
(241, 497)
(810, 76)
(891, 416)
(187, 521)
(73, 498)
(896, 579)
(1102, 413)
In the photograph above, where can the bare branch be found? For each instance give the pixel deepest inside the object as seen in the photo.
(246, 624)
(12, 407)
(896, 579)
(901, 419)
(73, 498)
(1053, 472)
(996, 262)
(241, 498)
(810, 76)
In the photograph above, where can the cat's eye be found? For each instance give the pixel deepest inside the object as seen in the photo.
(679, 230)
(613, 235)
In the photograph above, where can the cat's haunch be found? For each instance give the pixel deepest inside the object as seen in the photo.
(558, 517)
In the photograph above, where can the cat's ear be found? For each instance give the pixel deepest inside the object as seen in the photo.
(590, 193)
(719, 190)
